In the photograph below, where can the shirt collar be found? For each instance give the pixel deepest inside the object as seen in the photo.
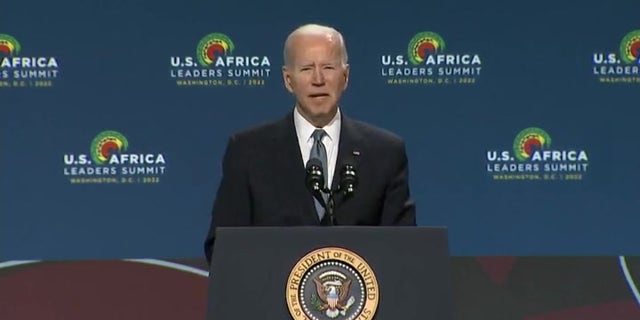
(304, 128)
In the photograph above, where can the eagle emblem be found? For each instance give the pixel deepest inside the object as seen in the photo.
(325, 284)
(332, 289)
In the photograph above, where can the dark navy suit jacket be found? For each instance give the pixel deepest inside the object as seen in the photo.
(263, 181)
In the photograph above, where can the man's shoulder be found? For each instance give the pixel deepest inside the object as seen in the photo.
(375, 133)
(260, 132)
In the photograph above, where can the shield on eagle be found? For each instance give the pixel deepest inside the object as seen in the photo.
(332, 288)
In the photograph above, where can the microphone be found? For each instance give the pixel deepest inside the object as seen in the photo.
(348, 183)
(348, 179)
(315, 179)
(315, 184)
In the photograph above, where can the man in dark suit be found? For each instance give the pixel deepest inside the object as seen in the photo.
(263, 181)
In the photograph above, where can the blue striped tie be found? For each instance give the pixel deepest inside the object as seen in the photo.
(319, 152)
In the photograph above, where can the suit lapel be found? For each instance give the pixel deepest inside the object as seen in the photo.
(349, 148)
(290, 163)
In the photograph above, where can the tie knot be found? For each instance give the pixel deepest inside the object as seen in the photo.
(318, 134)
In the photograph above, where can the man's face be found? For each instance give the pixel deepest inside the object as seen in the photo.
(316, 75)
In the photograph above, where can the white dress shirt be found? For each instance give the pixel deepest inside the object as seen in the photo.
(304, 131)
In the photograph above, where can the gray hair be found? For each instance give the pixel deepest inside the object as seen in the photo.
(315, 29)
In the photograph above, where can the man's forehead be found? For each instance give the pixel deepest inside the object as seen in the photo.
(315, 37)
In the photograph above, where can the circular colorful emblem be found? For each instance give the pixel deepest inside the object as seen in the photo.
(212, 46)
(9, 45)
(106, 144)
(630, 47)
(423, 44)
(529, 140)
(332, 283)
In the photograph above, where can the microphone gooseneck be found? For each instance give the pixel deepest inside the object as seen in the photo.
(315, 179)
(330, 199)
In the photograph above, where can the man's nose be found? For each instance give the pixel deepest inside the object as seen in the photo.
(318, 76)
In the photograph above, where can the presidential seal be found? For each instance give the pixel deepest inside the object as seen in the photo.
(332, 283)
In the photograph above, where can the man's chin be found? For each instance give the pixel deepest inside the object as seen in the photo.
(323, 108)
(319, 115)
(324, 112)
(314, 108)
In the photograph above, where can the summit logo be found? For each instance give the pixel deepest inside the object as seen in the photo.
(620, 67)
(110, 161)
(534, 158)
(216, 63)
(20, 71)
(428, 62)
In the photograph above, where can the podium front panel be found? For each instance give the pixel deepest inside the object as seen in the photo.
(251, 267)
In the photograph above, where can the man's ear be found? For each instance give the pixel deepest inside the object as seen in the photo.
(286, 77)
(346, 76)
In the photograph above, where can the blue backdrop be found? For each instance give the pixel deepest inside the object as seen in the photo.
(84, 68)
